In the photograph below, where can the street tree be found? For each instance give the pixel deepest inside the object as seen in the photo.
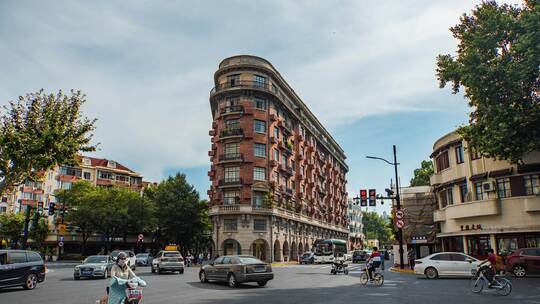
(39, 131)
(422, 174)
(11, 227)
(497, 63)
(39, 232)
(376, 227)
(181, 217)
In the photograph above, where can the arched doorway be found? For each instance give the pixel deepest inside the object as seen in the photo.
(231, 247)
(300, 249)
(259, 249)
(294, 251)
(277, 251)
(285, 251)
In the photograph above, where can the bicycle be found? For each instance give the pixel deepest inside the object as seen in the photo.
(378, 278)
(502, 286)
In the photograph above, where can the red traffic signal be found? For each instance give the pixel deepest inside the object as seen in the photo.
(372, 196)
(363, 198)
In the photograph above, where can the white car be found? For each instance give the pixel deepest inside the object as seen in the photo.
(445, 264)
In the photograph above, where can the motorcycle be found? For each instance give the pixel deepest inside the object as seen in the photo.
(339, 267)
(133, 293)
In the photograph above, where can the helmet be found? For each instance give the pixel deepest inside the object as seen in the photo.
(121, 256)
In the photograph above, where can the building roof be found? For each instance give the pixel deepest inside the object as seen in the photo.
(102, 162)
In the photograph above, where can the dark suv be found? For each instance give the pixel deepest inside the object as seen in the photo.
(21, 268)
(524, 261)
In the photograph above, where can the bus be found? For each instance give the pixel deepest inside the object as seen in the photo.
(327, 251)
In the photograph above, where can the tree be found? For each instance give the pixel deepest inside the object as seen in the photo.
(497, 63)
(39, 232)
(81, 199)
(182, 218)
(376, 228)
(422, 174)
(40, 131)
(11, 226)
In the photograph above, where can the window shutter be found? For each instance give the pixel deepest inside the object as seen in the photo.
(517, 186)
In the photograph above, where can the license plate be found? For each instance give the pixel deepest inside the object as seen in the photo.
(86, 272)
(260, 269)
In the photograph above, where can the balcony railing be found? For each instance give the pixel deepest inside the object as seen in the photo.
(241, 84)
(232, 110)
(289, 191)
(230, 157)
(230, 182)
(231, 132)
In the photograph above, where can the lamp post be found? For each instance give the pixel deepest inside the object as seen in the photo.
(398, 203)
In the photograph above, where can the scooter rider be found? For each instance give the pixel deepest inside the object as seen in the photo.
(373, 262)
(121, 275)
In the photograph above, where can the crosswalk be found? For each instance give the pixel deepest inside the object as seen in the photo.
(354, 268)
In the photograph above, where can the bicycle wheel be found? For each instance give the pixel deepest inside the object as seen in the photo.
(378, 279)
(506, 287)
(364, 278)
(476, 284)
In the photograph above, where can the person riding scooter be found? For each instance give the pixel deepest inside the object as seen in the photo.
(122, 277)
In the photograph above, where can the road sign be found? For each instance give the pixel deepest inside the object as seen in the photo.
(62, 228)
(61, 238)
(399, 214)
(140, 237)
(400, 224)
(60, 244)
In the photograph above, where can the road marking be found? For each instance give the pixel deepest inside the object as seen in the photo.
(377, 294)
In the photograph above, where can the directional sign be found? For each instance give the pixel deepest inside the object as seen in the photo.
(62, 228)
(400, 224)
(60, 244)
(61, 238)
(399, 214)
(140, 237)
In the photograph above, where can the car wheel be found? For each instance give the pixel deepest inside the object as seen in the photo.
(346, 271)
(152, 269)
(519, 271)
(431, 273)
(231, 280)
(262, 283)
(76, 278)
(159, 271)
(202, 277)
(181, 271)
(31, 281)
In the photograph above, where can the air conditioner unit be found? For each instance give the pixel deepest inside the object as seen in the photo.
(488, 186)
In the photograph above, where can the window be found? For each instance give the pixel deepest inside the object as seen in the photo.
(260, 126)
(458, 257)
(231, 197)
(87, 161)
(232, 174)
(303, 170)
(218, 261)
(87, 175)
(105, 175)
(276, 155)
(530, 252)
(259, 103)
(232, 149)
(463, 191)
(503, 187)
(3, 209)
(33, 257)
(450, 194)
(233, 80)
(442, 257)
(259, 224)
(260, 81)
(70, 171)
(230, 224)
(259, 150)
(232, 101)
(474, 153)
(284, 158)
(532, 186)
(17, 257)
(232, 124)
(459, 154)
(258, 199)
(259, 173)
(293, 164)
(442, 161)
(478, 191)
(506, 244)
(276, 132)
(447, 197)
(111, 164)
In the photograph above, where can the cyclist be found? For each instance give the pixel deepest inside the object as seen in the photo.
(487, 266)
(373, 262)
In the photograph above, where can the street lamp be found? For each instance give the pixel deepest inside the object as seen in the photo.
(398, 203)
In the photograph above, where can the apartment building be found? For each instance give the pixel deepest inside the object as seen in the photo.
(484, 203)
(356, 227)
(278, 177)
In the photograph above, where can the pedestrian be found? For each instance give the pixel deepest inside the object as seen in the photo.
(200, 258)
(411, 257)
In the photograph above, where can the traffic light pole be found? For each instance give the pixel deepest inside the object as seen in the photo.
(26, 224)
(398, 207)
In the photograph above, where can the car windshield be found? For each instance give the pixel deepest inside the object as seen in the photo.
(306, 255)
(172, 255)
(249, 260)
(95, 259)
(142, 255)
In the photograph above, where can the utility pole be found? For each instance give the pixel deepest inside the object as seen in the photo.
(398, 207)
(26, 224)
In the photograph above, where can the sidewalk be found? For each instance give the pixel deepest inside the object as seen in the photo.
(405, 270)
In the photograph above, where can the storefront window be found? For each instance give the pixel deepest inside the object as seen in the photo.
(478, 246)
(453, 244)
(532, 242)
(505, 245)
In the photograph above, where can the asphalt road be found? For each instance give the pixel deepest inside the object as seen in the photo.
(292, 284)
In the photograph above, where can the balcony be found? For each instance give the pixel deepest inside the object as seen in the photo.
(211, 153)
(532, 203)
(230, 182)
(288, 191)
(232, 110)
(439, 216)
(231, 133)
(273, 140)
(472, 209)
(212, 132)
(273, 163)
(231, 157)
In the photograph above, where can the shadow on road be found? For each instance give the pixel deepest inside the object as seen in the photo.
(221, 286)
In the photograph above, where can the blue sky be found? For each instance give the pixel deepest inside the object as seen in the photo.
(365, 68)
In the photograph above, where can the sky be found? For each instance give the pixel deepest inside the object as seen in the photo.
(366, 69)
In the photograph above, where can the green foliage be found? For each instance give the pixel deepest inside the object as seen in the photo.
(422, 174)
(497, 63)
(11, 226)
(181, 217)
(39, 232)
(40, 131)
(376, 228)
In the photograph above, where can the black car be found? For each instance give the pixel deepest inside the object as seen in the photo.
(307, 258)
(359, 256)
(21, 268)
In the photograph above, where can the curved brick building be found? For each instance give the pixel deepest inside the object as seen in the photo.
(278, 177)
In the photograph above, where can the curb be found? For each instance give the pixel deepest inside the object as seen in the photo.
(283, 264)
(398, 270)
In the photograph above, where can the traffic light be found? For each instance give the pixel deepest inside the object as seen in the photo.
(363, 197)
(372, 195)
(52, 207)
